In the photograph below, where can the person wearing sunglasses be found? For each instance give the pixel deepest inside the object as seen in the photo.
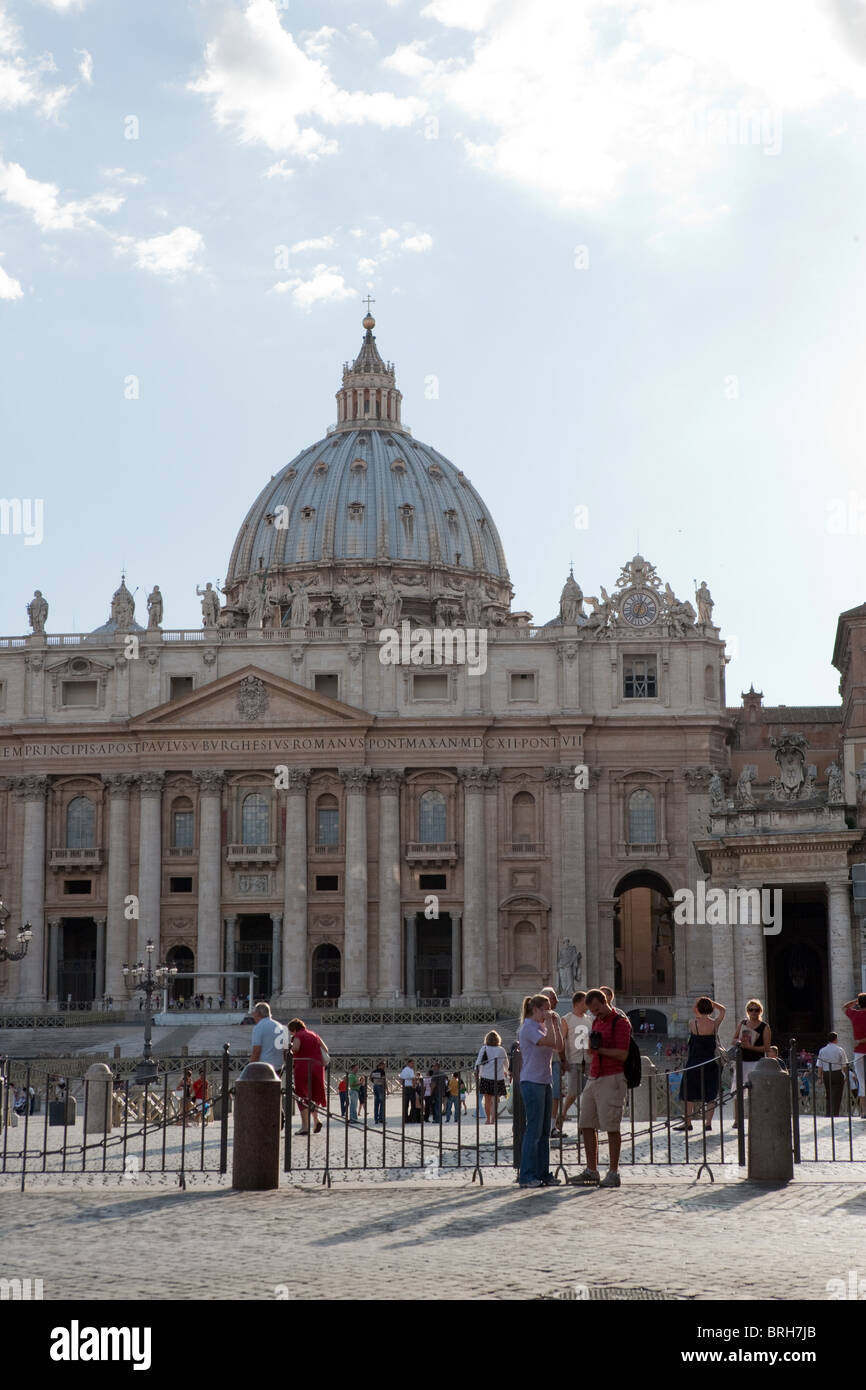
(755, 1039)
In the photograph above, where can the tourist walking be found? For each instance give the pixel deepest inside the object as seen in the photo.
(492, 1067)
(833, 1064)
(378, 1081)
(700, 1081)
(452, 1101)
(407, 1079)
(755, 1039)
(575, 1035)
(310, 1057)
(540, 1039)
(603, 1099)
(855, 1011)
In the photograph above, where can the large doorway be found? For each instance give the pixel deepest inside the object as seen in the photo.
(327, 980)
(255, 952)
(76, 967)
(798, 983)
(433, 959)
(183, 959)
(643, 943)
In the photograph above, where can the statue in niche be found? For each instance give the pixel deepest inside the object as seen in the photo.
(567, 959)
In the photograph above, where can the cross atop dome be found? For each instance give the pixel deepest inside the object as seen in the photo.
(369, 394)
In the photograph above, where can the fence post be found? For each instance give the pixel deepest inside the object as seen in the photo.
(224, 1111)
(518, 1118)
(795, 1098)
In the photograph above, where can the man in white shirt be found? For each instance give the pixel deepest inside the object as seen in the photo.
(832, 1064)
(407, 1077)
(270, 1039)
(575, 1033)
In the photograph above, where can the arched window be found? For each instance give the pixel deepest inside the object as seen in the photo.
(81, 823)
(710, 683)
(642, 818)
(255, 820)
(182, 823)
(523, 818)
(327, 821)
(431, 818)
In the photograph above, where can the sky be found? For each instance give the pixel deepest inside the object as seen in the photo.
(616, 252)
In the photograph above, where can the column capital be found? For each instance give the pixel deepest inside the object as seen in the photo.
(355, 779)
(299, 780)
(276, 918)
(211, 780)
(118, 784)
(100, 921)
(493, 778)
(151, 783)
(838, 889)
(474, 779)
(31, 788)
(390, 779)
(53, 921)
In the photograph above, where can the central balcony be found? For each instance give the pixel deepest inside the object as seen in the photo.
(444, 852)
(76, 859)
(252, 854)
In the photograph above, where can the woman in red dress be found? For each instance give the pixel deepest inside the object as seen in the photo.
(308, 1073)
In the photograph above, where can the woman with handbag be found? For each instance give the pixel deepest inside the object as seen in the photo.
(491, 1066)
(310, 1058)
(700, 1081)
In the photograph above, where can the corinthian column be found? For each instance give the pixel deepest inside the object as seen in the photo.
(211, 783)
(390, 780)
(27, 980)
(355, 992)
(573, 872)
(118, 786)
(841, 944)
(474, 781)
(491, 836)
(295, 992)
(149, 862)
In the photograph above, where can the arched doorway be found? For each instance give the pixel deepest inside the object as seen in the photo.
(644, 959)
(327, 976)
(184, 960)
(646, 1023)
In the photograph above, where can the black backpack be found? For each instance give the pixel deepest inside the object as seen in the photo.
(633, 1067)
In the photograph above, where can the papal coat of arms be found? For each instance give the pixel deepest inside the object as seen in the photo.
(252, 698)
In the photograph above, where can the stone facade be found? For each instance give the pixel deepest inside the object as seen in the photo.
(266, 793)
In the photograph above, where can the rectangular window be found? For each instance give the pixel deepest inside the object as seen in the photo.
(180, 885)
(433, 881)
(182, 830)
(522, 686)
(77, 885)
(326, 683)
(79, 693)
(327, 883)
(639, 678)
(180, 685)
(429, 687)
(327, 827)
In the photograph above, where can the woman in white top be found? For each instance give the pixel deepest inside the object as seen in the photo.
(492, 1067)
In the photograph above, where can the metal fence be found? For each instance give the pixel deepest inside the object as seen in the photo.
(352, 1124)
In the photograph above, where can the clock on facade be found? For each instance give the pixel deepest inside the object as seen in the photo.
(640, 608)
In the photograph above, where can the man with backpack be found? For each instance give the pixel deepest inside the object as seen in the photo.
(604, 1096)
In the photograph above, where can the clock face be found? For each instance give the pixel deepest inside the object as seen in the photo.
(640, 608)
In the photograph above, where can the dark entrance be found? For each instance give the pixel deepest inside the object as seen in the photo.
(255, 951)
(433, 957)
(76, 967)
(798, 984)
(326, 976)
(183, 958)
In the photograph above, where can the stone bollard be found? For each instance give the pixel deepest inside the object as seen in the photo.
(257, 1111)
(771, 1154)
(99, 1090)
(640, 1096)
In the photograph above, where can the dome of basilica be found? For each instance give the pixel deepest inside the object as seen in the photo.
(365, 509)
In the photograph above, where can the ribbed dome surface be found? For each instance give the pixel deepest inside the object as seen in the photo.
(364, 494)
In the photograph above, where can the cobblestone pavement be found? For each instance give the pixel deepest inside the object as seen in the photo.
(423, 1240)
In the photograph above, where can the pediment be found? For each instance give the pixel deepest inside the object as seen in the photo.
(255, 699)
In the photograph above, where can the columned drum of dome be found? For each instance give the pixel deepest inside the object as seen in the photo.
(368, 513)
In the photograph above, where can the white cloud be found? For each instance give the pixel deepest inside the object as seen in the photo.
(9, 288)
(422, 242)
(272, 93)
(389, 236)
(576, 101)
(280, 170)
(22, 78)
(366, 266)
(410, 60)
(122, 175)
(176, 253)
(64, 6)
(319, 243)
(320, 41)
(85, 67)
(324, 285)
(42, 201)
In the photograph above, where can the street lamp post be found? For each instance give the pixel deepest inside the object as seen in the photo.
(24, 936)
(150, 981)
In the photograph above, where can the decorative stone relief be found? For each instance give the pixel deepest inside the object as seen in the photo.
(252, 698)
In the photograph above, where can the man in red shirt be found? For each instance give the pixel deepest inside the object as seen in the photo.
(603, 1098)
(855, 1010)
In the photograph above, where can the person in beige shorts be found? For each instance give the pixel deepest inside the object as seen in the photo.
(602, 1100)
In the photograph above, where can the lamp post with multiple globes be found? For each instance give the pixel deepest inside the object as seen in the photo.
(149, 980)
(24, 936)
